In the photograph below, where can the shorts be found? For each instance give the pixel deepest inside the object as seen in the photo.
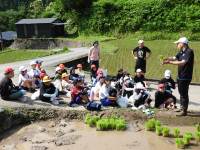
(78, 99)
(106, 102)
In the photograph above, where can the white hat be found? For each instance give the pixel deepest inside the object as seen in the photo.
(125, 78)
(58, 68)
(139, 86)
(138, 70)
(167, 73)
(140, 41)
(182, 40)
(33, 63)
(22, 68)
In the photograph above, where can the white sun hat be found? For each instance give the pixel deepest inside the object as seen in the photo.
(182, 40)
(22, 68)
(140, 41)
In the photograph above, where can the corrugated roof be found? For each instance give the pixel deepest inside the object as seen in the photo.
(36, 21)
(9, 35)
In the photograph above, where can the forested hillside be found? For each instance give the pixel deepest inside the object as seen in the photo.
(108, 16)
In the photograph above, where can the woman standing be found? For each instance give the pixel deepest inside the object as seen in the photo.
(94, 55)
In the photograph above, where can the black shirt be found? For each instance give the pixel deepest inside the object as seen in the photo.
(118, 76)
(139, 79)
(46, 89)
(6, 87)
(160, 98)
(93, 74)
(141, 54)
(166, 81)
(185, 72)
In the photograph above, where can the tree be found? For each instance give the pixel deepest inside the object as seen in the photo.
(36, 8)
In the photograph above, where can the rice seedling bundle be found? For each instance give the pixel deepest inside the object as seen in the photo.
(197, 136)
(176, 132)
(165, 131)
(158, 130)
(179, 143)
(186, 139)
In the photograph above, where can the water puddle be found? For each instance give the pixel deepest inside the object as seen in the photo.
(61, 135)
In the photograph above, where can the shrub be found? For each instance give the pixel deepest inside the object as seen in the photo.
(179, 142)
(165, 131)
(176, 132)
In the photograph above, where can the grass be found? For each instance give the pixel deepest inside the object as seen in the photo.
(123, 58)
(10, 55)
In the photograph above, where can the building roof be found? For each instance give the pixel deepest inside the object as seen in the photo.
(37, 21)
(9, 35)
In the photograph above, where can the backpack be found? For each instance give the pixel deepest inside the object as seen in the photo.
(93, 106)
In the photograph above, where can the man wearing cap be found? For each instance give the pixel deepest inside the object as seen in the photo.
(8, 90)
(185, 63)
(141, 56)
(94, 55)
(163, 99)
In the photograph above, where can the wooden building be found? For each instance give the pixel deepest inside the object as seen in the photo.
(40, 28)
(7, 38)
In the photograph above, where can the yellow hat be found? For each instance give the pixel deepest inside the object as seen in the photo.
(46, 79)
(64, 75)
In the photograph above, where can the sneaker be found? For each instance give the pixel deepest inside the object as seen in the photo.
(23, 99)
(55, 102)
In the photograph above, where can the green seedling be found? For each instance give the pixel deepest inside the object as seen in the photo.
(120, 126)
(100, 125)
(148, 126)
(87, 118)
(158, 123)
(114, 117)
(197, 127)
(161, 59)
(176, 132)
(165, 131)
(152, 123)
(179, 143)
(95, 119)
(113, 124)
(188, 133)
(197, 136)
(90, 122)
(158, 130)
(186, 139)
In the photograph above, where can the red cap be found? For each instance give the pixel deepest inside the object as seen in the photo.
(79, 66)
(99, 71)
(62, 66)
(161, 85)
(42, 75)
(99, 77)
(93, 66)
(8, 70)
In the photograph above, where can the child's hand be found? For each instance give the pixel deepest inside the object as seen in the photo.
(169, 84)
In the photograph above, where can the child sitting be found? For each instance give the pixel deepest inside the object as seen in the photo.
(73, 74)
(35, 73)
(66, 83)
(168, 82)
(163, 99)
(139, 77)
(38, 66)
(104, 96)
(48, 91)
(99, 73)
(118, 77)
(95, 90)
(79, 93)
(25, 81)
(140, 96)
(127, 88)
(62, 66)
(93, 73)
(80, 71)
(57, 79)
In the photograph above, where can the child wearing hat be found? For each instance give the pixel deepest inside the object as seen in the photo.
(73, 74)
(79, 93)
(118, 77)
(93, 73)
(66, 83)
(38, 66)
(95, 90)
(163, 99)
(26, 82)
(104, 93)
(35, 73)
(8, 90)
(168, 82)
(62, 66)
(48, 91)
(140, 96)
(139, 77)
(99, 73)
(80, 71)
(127, 88)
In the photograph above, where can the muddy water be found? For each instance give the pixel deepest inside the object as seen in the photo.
(74, 136)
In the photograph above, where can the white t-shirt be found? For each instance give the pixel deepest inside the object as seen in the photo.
(66, 84)
(104, 91)
(97, 86)
(33, 72)
(26, 76)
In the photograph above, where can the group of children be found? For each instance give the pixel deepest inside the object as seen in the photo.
(107, 89)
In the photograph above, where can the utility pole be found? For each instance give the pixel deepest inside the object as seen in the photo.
(1, 38)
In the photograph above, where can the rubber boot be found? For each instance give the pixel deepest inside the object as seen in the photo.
(183, 112)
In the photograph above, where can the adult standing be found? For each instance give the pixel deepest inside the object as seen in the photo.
(185, 63)
(141, 56)
(94, 55)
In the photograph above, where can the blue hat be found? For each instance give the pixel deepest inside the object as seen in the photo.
(96, 42)
(38, 61)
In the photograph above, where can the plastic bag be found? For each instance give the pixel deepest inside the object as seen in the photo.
(122, 102)
(35, 95)
(58, 84)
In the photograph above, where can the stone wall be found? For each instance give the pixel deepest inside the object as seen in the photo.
(47, 44)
